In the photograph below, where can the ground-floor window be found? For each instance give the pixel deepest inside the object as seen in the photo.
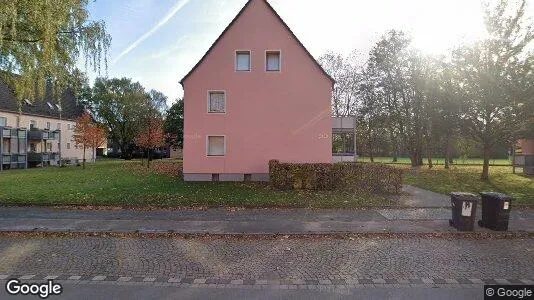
(343, 143)
(216, 145)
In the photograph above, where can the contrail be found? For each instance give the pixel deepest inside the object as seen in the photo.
(147, 34)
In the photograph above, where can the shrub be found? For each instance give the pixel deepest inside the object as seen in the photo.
(375, 178)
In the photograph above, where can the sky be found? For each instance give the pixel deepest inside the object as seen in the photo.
(157, 42)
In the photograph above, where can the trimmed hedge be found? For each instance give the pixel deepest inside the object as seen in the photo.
(374, 178)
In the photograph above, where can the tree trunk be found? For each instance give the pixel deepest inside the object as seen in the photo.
(447, 152)
(513, 160)
(485, 166)
(83, 164)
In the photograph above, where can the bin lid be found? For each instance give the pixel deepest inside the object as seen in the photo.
(495, 196)
(464, 196)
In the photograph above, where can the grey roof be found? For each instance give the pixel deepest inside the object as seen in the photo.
(70, 110)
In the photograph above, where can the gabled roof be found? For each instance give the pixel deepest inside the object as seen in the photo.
(232, 23)
(70, 110)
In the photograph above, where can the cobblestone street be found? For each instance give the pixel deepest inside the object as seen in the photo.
(310, 259)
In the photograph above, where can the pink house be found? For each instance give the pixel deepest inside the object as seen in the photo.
(256, 95)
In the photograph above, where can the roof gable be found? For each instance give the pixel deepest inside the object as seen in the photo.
(271, 9)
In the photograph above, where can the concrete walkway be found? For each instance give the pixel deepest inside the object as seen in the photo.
(250, 221)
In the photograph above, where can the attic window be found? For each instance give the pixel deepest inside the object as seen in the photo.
(50, 105)
(272, 61)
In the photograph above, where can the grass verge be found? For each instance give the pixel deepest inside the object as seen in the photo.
(128, 184)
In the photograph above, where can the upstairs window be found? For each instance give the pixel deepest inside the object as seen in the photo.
(217, 102)
(242, 61)
(3, 121)
(216, 146)
(33, 124)
(272, 61)
(48, 125)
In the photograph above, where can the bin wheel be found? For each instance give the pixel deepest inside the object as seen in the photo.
(451, 223)
(480, 223)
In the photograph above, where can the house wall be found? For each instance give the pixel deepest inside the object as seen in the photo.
(269, 115)
(66, 133)
(527, 146)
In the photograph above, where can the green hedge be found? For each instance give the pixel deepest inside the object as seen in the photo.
(375, 178)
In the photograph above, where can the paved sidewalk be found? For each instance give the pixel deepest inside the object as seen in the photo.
(250, 221)
(331, 266)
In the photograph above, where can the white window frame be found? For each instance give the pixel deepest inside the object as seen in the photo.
(249, 60)
(280, 62)
(48, 125)
(225, 103)
(4, 118)
(208, 145)
(30, 124)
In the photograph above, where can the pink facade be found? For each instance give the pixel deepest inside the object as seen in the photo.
(282, 115)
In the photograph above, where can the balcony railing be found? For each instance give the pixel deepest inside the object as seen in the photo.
(6, 158)
(42, 135)
(38, 157)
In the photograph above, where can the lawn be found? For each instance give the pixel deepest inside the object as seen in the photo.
(127, 184)
(438, 161)
(467, 179)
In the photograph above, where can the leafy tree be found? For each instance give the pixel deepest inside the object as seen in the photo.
(151, 137)
(123, 106)
(495, 77)
(174, 124)
(87, 134)
(344, 72)
(42, 41)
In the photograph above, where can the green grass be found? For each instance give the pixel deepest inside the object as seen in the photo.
(467, 179)
(439, 161)
(119, 183)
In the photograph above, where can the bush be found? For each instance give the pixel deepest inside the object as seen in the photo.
(375, 178)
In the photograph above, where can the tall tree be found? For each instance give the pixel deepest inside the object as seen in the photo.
(495, 76)
(344, 72)
(87, 134)
(123, 106)
(42, 41)
(151, 137)
(174, 124)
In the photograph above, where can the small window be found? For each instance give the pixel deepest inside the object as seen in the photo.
(47, 125)
(68, 126)
(215, 177)
(33, 124)
(272, 60)
(217, 102)
(216, 145)
(3, 121)
(49, 147)
(68, 145)
(33, 147)
(242, 61)
(58, 126)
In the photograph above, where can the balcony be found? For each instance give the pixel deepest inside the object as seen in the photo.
(38, 157)
(42, 135)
